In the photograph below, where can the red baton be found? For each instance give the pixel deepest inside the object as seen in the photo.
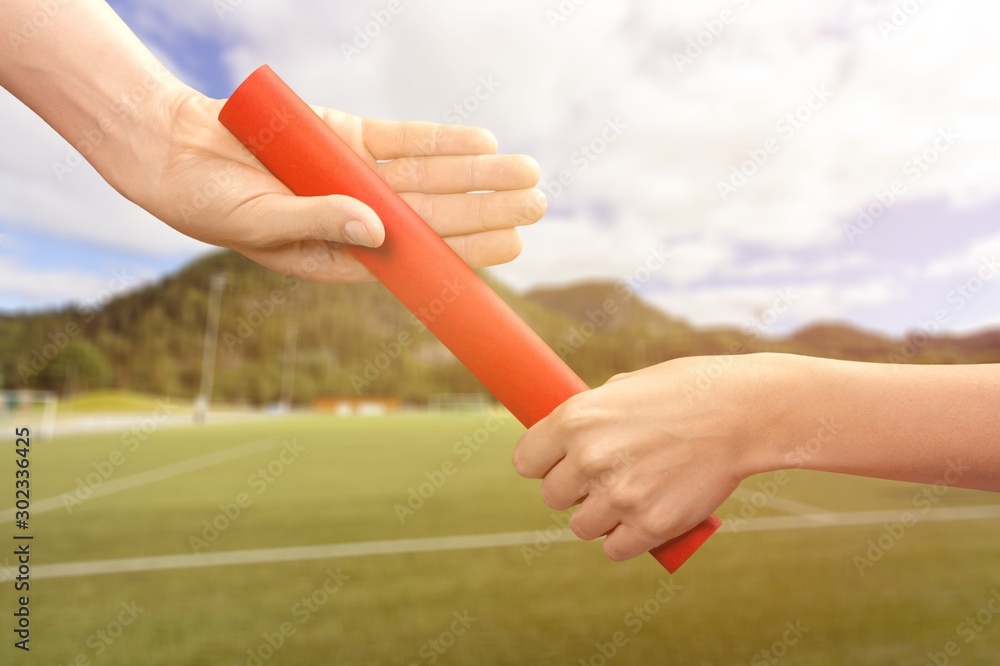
(416, 265)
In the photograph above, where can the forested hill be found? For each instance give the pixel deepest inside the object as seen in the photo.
(352, 339)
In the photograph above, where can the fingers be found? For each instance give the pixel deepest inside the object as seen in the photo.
(456, 214)
(487, 248)
(456, 174)
(322, 261)
(275, 219)
(315, 261)
(388, 140)
(624, 543)
(544, 444)
(563, 486)
(593, 519)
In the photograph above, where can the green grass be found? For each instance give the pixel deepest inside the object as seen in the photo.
(736, 595)
(110, 401)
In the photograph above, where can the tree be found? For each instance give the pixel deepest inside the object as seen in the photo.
(82, 363)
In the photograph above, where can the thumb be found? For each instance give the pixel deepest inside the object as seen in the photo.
(275, 219)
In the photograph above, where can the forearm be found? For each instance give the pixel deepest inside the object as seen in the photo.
(79, 67)
(920, 423)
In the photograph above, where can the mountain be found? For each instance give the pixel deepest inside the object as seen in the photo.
(356, 339)
(837, 340)
(844, 341)
(630, 312)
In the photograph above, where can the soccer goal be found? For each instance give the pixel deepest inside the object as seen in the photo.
(35, 409)
(466, 402)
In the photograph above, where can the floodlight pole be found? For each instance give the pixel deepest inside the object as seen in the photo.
(288, 369)
(208, 356)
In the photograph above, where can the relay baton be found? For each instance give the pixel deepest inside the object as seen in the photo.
(416, 265)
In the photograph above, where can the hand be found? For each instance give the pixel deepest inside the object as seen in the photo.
(161, 145)
(205, 184)
(652, 453)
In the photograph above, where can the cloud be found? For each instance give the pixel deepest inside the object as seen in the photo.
(22, 284)
(39, 192)
(981, 254)
(841, 97)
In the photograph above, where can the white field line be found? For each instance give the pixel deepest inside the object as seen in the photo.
(833, 519)
(149, 476)
(463, 542)
(786, 505)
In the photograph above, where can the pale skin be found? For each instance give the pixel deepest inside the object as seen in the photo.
(646, 456)
(652, 453)
(158, 142)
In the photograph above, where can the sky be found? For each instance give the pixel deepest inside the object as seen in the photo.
(841, 158)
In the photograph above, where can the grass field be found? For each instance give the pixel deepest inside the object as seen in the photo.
(759, 595)
(116, 401)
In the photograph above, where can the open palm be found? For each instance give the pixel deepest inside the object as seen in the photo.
(211, 188)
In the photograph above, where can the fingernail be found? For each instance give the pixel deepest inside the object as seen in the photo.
(358, 233)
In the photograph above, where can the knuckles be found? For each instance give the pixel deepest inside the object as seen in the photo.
(519, 463)
(590, 461)
(578, 530)
(617, 552)
(621, 498)
(574, 416)
(551, 500)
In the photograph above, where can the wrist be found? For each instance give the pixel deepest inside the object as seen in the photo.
(782, 414)
(146, 117)
(91, 79)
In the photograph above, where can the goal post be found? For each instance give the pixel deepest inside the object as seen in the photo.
(36, 409)
(467, 402)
